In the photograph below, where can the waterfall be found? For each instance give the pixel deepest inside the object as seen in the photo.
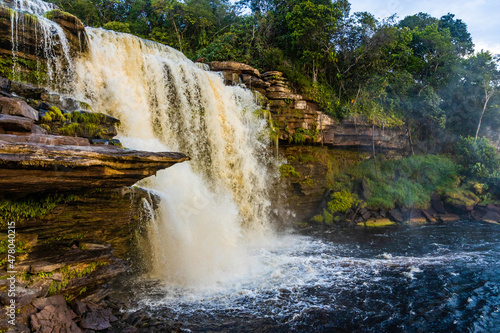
(51, 45)
(211, 204)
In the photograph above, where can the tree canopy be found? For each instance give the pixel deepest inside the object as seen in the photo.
(420, 71)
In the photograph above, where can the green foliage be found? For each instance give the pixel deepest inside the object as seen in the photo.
(288, 171)
(117, 26)
(328, 218)
(479, 158)
(342, 201)
(480, 161)
(30, 207)
(407, 182)
(318, 218)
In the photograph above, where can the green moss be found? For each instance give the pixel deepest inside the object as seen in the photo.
(27, 70)
(30, 207)
(70, 129)
(328, 218)
(407, 182)
(288, 171)
(318, 218)
(377, 223)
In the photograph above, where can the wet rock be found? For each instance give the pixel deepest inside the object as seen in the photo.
(448, 218)
(377, 223)
(415, 216)
(98, 320)
(57, 301)
(73, 29)
(429, 216)
(106, 142)
(13, 107)
(79, 307)
(54, 318)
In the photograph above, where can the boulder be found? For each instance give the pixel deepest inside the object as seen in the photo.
(98, 320)
(13, 107)
(54, 319)
(16, 123)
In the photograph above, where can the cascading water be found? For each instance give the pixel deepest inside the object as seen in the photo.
(166, 102)
(51, 44)
(438, 278)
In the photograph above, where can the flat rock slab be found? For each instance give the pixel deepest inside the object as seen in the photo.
(54, 140)
(30, 168)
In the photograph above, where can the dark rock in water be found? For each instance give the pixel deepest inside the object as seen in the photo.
(396, 215)
(437, 204)
(98, 320)
(55, 319)
(9, 106)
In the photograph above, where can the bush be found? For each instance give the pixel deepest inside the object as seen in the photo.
(407, 182)
(479, 158)
(342, 201)
(480, 161)
(117, 26)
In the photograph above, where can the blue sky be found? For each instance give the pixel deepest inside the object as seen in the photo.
(481, 16)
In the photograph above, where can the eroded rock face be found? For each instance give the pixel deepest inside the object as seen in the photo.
(28, 168)
(300, 120)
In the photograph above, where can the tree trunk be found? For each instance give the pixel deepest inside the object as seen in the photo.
(373, 149)
(486, 100)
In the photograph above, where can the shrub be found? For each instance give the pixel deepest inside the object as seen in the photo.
(342, 201)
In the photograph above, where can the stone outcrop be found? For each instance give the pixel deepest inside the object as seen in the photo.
(27, 168)
(70, 255)
(300, 120)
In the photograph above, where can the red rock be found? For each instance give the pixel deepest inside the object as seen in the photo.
(15, 107)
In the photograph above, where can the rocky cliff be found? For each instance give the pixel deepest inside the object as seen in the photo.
(65, 186)
(300, 120)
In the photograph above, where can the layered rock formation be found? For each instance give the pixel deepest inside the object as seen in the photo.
(300, 120)
(34, 167)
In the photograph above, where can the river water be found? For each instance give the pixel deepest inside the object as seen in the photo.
(436, 278)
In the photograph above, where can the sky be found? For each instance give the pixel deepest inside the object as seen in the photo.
(481, 16)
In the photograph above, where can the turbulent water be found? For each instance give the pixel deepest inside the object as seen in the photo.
(212, 205)
(215, 263)
(440, 278)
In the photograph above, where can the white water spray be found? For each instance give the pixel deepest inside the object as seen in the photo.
(52, 46)
(166, 102)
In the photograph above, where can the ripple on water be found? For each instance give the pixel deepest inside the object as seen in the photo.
(408, 280)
